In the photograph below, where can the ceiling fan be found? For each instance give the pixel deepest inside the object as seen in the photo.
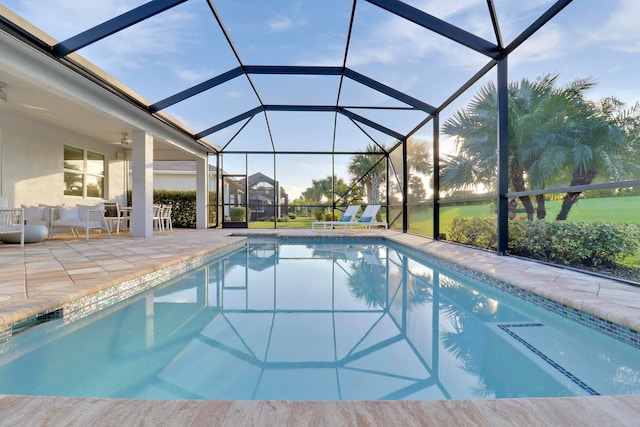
(125, 139)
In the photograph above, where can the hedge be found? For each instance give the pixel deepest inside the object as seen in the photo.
(183, 202)
(571, 243)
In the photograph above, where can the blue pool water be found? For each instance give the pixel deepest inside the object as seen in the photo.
(319, 320)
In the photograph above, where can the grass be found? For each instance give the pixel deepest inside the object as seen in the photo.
(611, 209)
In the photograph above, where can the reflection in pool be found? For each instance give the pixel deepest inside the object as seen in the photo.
(319, 320)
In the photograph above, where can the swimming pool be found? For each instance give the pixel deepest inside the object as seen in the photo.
(319, 320)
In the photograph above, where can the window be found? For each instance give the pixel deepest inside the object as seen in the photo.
(83, 173)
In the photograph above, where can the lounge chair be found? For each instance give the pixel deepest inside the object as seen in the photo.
(347, 217)
(368, 218)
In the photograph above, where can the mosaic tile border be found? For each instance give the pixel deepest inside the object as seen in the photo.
(607, 327)
(90, 304)
(507, 328)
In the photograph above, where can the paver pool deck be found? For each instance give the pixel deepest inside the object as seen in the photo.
(46, 275)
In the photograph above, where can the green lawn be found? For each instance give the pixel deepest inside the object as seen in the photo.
(611, 209)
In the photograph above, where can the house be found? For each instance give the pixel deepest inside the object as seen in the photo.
(267, 199)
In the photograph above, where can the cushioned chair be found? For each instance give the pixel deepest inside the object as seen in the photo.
(348, 215)
(79, 217)
(12, 222)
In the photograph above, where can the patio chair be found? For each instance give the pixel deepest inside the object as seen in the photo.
(347, 216)
(165, 217)
(157, 218)
(80, 217)
(368, 218)
(12, 222)
(112, 215)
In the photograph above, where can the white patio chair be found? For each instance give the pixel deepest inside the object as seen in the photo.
(368, 218)
(12, 221)
(165, 217)
(348, 215)
(113, 215)
(157, 218)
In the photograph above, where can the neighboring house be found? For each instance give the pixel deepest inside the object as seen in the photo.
(266, 198)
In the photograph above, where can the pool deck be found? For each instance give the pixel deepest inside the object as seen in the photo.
(43, 276)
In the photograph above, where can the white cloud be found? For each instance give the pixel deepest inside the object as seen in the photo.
(233, 94)
(280, 23)
(551, 43)
(191, 75)
(620, 29)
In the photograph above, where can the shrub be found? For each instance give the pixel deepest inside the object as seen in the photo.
(283, 218)
(183, 202)
(575, 243)
(292, 215)
(478, 232)
(237, 213)
(329, 216)
(571, 243)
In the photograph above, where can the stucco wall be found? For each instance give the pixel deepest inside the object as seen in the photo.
(31, 163)
(176, 180)
(173, 181)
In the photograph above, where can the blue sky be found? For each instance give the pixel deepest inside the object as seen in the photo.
(184, 46)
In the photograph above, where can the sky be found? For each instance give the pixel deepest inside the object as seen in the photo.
(184, 46)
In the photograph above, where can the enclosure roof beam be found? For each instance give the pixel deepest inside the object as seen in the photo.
(293, 70)
(370, 123)
(439, 26)
(195, 90)
(229, 122)
(299, 108)
(537, 24)
(113, 25)
(393, 93)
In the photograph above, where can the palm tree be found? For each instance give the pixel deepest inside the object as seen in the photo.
(531, 105)
(370, 170)
(419, 164)
(555, 136)
(592, 143)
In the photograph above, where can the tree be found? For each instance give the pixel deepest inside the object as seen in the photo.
(319, 192)
(531, 105)
(328, 190)
(556, 137)
(420, 165)
(591, 142)
(370, 170)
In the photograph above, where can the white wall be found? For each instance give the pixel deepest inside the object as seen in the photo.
(163, 180)
(31, 170)
(177, 180)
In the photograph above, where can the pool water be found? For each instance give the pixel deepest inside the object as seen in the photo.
(319, 320)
